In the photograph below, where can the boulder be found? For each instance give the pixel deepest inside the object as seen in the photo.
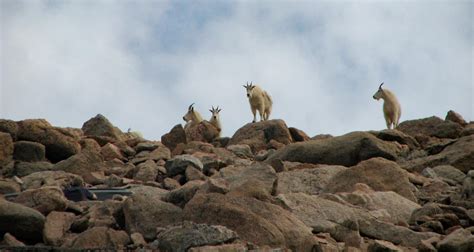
(468, 130)
(56, 226)
(383, 246)
(178, 164)
(449, 172)
(47, 178)
(258, 135)
(6, 151)
(459, 154)
(457, 241)
(11, 241)
(110, 152)
(397, 136)
(29, 151)
(145, 212)
(45, 199)
(346, 150)
(146, 171)
(455, 117)
(187, 235)
(241, 150)
(236, 176)
(9, 186)
(101, 238)
(233, 247)
(202, 132)
(431, 126)
(298, 135)
(24, 168)
(254, 221)
(174, 137)
(10, 127)
(59, 144)
(22, 222)
(81, 164)
(378, 173)
(192, 173)
(183, 194)
(108, 213)
(309, 181)
(100, 126)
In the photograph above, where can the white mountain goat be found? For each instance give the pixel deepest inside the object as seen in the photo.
(259, 100)
(215, 118)
(134, 134)
(192, 117)
(391, 107)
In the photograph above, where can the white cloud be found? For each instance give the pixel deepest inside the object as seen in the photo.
(141, 64)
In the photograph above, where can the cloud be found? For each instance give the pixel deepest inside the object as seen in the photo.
(142, 63)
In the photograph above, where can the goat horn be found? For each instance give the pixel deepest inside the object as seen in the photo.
(190, 106)
(380, 85)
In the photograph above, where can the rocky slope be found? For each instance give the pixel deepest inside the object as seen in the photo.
(267, 187)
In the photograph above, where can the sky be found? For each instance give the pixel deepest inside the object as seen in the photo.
(142, 63)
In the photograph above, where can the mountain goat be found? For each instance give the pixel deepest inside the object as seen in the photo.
(259, 100)
(215, 118)
(192, 117)
(391, 107)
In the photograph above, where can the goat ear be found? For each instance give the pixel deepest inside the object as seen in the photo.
(252, 87)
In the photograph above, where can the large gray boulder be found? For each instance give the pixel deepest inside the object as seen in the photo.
(22, 222)
(346, 150)
(182, 237)
(431, 126)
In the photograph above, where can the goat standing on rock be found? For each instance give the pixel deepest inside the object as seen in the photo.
(192, 117)
(215, 119)
(391, 107)
(259, 100)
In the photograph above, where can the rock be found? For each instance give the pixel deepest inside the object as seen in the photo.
(108, 213)
(82, 163)
(149, 191)
(138, 240)
(215, 185)
(203, 132)
(378, 173)
(258, 135)
(101, 126)
(460, 155)
(174, 137)
(24, 168)
(8, 186)
(455, 117)
(449, 172)
(183, 194)
(468, 186)
(171, 184)
(178, 164)
(29, 151)
(192, 173)
(22, 222)
(252, 189)
(101, 237)
(254, 221)
(47, 178)
(241, 150)
(45, 199)
(6, 152)
(10, 127)
(236, 176)
(146, 171)
(468, 130)
(346, 150)
(159, 153)
(110, 152)
(145, 212)
(11, 241)
(399, 208)
(56, 226)
(397, 136)
(59, 145)
(431, 126)
(233, 247)
(298, 135)
(309, 181)
(457, 241)
(183, 237)
(147, 146)
(383, 246)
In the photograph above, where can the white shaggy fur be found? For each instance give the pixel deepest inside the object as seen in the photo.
(192, 117)
(391, 107)
(215, 119)
(134, 134)
(259, 100)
